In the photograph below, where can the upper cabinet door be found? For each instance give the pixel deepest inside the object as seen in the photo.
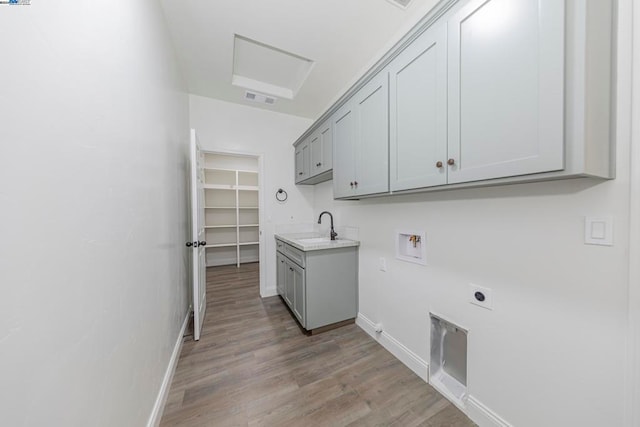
(303, 160)
(326, 135)
(343, 151)
(315, 145)
(506, 89)
(371, 107)
(321, 146)
(418, 113)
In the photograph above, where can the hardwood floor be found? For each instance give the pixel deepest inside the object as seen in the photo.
(253, 366)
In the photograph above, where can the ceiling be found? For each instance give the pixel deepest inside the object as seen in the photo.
(333, 41)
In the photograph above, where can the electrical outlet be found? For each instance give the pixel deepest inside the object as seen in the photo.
(480, 296)
(383, 264)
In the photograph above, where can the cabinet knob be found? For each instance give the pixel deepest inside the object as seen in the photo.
(300, 173)
(290, 269)
(355, 183)
(203, 243)
(318, 164)
(451, 162)
(351, 183)
(439, 165)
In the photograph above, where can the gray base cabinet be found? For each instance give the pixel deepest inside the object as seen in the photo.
(320, 286)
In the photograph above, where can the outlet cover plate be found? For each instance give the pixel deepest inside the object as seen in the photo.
(484, 298)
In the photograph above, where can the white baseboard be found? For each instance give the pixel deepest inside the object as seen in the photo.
(473, 408)
(482, 415)
(161, 400)
(218, 262)
(395, 347)
(269, 292)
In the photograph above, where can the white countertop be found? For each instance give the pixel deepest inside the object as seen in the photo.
(315, 242)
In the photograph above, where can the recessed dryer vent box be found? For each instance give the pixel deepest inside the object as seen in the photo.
(448, 366)
(411, 246)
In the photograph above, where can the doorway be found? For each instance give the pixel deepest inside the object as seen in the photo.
(233, 209)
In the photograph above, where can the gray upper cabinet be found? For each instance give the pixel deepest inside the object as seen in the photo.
(506, 90)
(314, 156)
(418, 113)
(482, 92)
(303, 162)
(361, 142)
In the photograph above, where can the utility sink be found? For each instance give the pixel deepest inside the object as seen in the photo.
(313, 240)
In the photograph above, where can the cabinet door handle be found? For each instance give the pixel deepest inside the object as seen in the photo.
(451, 162)
(439, 165)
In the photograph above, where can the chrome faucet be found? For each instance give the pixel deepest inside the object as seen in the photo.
(333, 233)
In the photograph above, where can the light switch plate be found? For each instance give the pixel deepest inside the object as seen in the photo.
(598, 230)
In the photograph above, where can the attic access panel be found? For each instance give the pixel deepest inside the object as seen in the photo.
(402, 4)
(267, 69)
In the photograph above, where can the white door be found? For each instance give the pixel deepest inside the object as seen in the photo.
(198, 242)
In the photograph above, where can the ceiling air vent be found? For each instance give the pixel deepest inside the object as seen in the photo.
(258, 97)
(402, 4)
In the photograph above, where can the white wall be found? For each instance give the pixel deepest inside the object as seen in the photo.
(227, 127)
(93, 132)
(633, 386)
(552, 352)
